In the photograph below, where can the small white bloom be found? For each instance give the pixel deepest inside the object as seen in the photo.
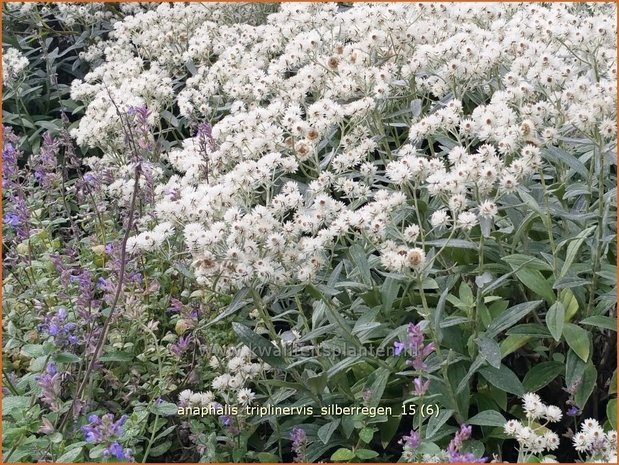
(512, 427)
(245, 396)
(439, 219)
(467, 220)
(553, 413)
(488, 209)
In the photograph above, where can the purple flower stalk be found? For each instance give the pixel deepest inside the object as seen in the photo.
(181, 345)
(104, 430)
(17, 215)
(411, 441)
(453, 449)
(45, 162)
(421, 386)
(414, 344)
(419, 350)
(299, 443)
(49, 382)
(56, 326)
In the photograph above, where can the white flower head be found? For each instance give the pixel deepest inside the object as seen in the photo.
(488, 209)
(245, 396)
(467, 220)
(439, 219)
(553, 413)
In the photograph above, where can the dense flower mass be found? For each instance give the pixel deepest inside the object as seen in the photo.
(286, 103)
(224, 224)
(13, 63)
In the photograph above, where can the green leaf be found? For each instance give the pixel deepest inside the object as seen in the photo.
(160, 449)
(570, 282)
(66, 357)
(479, 361)
(574, 368)
(365, 454)
(267, 457)
(511, 316)
(534, 280)
(33, 350)
(490, 350)
(326, 431)
(12, 403)
(503, 378)
(559, 157)
(366, 434)
(578, 340)
(611, 413)
(376, 383)
(487, 418)
(238, 302)
(572, 249)
(389, 292)
(569, 301)
(455, 243)
(360, 260)
(342, 455)
(604, 322)
(529, 329)
(164, 409)
(259, 346)
(97, 451)
(466, 295)
(70, 456)
(436, 421)
(586, 386)
(521, 261)
(555, 320)
(541, 374)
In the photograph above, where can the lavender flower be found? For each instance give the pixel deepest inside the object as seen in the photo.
(55, 325)
(411, 441)
(181, 345)
(410, 444)
(421, 386)
(17, 215)
(104, 430)
(49, 382)
(45, 162)
(453, 449)
(415, 346)
(299, 443)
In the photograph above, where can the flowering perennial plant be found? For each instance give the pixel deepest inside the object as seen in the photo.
(215, 207)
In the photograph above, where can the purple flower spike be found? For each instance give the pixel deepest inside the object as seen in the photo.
(412, 441)
(421, 386)
(299, 443)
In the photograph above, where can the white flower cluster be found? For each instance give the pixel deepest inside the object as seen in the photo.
(82, 13)
(237, 369)
(302, 105)
(534, 438)
(189, 398)
(595, 443)
(13, 63)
